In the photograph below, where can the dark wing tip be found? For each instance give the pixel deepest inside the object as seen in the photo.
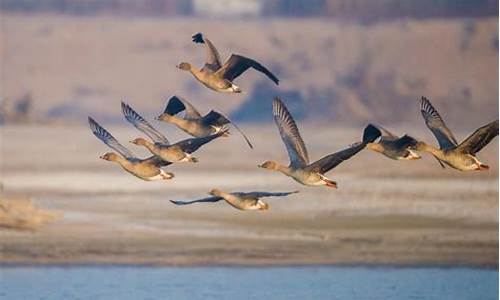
(174, 106)
(94, 126)
(274, 78)
(198, 38)
(371, 133)
(130, 114)
(427, 109)
(175, 202)
(125, 107)
(408, 141)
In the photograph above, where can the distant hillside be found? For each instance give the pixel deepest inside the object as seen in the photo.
(367, 10)
(347, 72)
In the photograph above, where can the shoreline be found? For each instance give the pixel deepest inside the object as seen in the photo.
(249, 266)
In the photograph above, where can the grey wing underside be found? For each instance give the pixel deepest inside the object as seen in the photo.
(268, 194)
(237, 64)
(157, 161)
(290, 134)
(214, 118)
(177, 104)
(193, 144)
(108, 139)
(208, 199)
(329, 162)
(436, 124)
(213, 58)
(479, 139)
(140, 123)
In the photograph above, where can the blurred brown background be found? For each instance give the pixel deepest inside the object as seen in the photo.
(342, 64)
(344, 61)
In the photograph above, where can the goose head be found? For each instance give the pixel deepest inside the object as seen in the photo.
(215, 192)
(164, 117)
(139, 142)
(184, 66)
(270, 165)
(110, 156)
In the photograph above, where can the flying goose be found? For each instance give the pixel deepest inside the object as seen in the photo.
(393, 146)
(311, 174)
(220, 77)
(459, 156)
(241, 201)
(146, 169)
(192, 122)
(178, 152)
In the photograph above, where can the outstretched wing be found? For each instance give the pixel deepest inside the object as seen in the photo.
(135, 119)
(238, 64)
(290, 134)
(108, 139)
(208, 199)
(479, 139)
(436, 124)
(157, 161)
(193, 144)
(213, 59)
(214, 118)
(269, 194)
(177, 104)
(329, 162)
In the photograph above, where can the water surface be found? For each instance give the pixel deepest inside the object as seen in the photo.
(323, 282)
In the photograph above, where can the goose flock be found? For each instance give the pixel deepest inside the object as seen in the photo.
(204, 129)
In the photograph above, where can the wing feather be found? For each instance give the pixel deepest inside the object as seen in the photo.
(269, 194)
(214, 118)
(108, 139)
(140, 123)
(237, 64)
(208, 199)
(290, 134)
(213, 58)
(177, 104)
(436, 124)
(329, 162)
(479, 139)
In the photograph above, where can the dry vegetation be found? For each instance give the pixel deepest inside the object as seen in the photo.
(19, 213)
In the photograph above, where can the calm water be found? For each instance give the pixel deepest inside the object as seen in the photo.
(117, 282)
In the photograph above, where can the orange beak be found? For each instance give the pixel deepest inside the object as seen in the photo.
(332, 184)
(482, 167)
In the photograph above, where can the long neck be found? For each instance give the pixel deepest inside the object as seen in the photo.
(180, 122)
(125, 163)
(279, 167)
(431, 149)
(150, 146)
(196, 73)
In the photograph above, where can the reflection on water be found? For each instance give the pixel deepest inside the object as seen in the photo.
(324, 282)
